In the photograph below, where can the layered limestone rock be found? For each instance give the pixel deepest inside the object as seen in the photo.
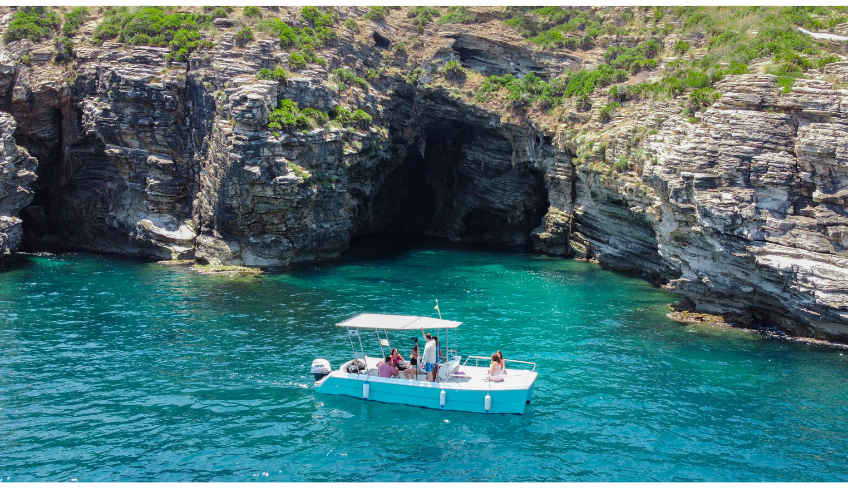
(17, 173)
(741, 211)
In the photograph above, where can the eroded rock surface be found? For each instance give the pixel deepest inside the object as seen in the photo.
(17, 173)
(742, 211)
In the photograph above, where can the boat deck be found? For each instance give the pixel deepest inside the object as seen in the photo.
(468, 376)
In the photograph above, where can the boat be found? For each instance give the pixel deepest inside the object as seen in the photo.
(463, 386)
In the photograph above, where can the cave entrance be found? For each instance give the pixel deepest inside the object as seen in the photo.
(49, 153)
(463, 186)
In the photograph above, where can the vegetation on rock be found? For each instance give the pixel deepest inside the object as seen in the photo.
(74, 20)
(244, 36)
(287, 114)
(146, 26)
(377, 13)
(357, 118)
(276, 74)
(302, 41)
(33, 23)
(252, 12)
(422, 16)
(344, 77)
(457, 15)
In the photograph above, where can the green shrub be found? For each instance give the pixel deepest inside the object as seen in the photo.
(33, 23)
(351, 24)
(453, 70)
(681, 47)
(422, 16)
(219, 13)
(298, 171)
(74, 20)
(252, 12)
(64, 50)
(184, 43)
(827, 59)
(344, 116)
(284, 115)
(358, 118)
(607, 110)
(703, 97)
(361, 118)
(583, 82)
(244, 36)
(413, 77)
(457, 15)
(316, 34)
(622, 165)
(377, 13)
(584, 103)
(370, 74)
(146, 26)
(784, 83)
(344, 77)
(315, 117)
(297, 61)
(26, 59)
(634, 59)
(276, 74)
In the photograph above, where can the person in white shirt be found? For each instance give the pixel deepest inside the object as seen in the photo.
(429, 358)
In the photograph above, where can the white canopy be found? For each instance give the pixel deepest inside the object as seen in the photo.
(396, 322)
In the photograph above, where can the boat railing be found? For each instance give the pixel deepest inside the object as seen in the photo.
(478, 358)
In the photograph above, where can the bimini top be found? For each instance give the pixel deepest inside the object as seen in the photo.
(396, 322)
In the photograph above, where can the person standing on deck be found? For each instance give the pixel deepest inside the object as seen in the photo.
(430, 357)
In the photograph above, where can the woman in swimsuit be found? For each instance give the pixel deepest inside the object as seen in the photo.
(495, 371)
(412, 370)
(397, 359)
(501, 360)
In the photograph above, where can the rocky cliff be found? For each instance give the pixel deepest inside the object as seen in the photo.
(17, 174)
(739, 208)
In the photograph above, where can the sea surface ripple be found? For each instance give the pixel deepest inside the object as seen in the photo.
(115, 369)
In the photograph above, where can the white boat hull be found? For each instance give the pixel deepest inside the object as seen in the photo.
(465, 392)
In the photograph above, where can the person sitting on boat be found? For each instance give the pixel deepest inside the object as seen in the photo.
(503, 363)
(495, 371)
(386, 369)
(430, 357)
(412, 370)
(397, 359)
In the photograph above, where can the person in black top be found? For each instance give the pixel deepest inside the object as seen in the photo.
(412, 370)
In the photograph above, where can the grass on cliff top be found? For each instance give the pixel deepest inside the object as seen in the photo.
(155, 26)
(735, 36)
(33, 23)
(74, 20)
(315, 33)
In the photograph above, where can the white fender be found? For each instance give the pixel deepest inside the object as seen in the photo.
(488, 402)
(442, 398)
(366, 388)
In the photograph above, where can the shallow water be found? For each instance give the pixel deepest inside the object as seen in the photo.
(117, 369)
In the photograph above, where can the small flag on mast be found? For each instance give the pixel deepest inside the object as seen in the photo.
(437, 309)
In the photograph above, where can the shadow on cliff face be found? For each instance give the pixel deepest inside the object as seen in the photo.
(463, 183)
(47, 147)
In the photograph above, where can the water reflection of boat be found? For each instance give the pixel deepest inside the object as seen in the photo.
(462, 386)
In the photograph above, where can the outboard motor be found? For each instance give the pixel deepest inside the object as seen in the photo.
(320, 368)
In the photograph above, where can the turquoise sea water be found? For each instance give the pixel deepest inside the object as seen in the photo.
(117, 369)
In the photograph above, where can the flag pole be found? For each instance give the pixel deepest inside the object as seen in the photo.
(437, 309)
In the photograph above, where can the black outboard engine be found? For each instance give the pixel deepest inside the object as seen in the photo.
(320, 368)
